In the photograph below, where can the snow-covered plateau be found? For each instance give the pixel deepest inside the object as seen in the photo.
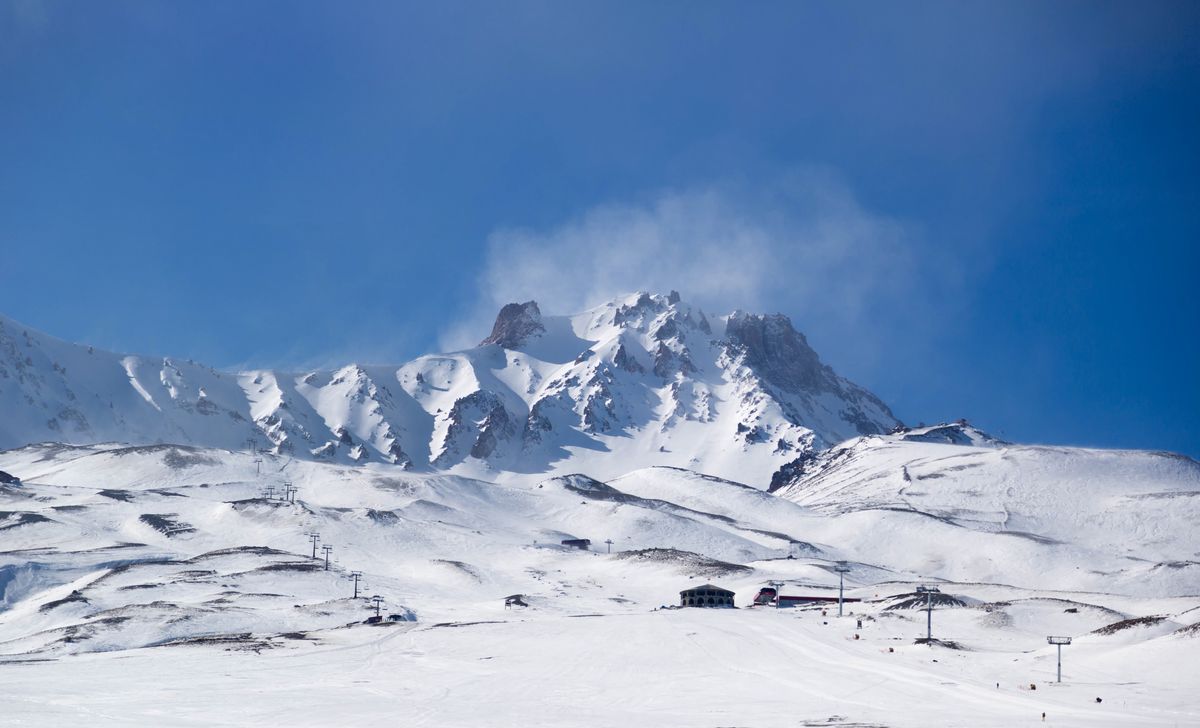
(163, 534)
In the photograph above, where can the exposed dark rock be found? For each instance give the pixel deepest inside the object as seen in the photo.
(953, 434)
(256, 550)
(536, 423)
(75, 597)
(514, 325)
(691, 563)
(642, 307)
(1125, 624)
(669, 329)
(624, 360)
(778, 353)
(495, 426)
(751, 434)
(118, 495)
(668, 362)
(165, 523)
(916, 600)
(205, 406)
(292, 566)
(13, 519)
(178, 459)
(781, 357)
(599, 407)
(398, 456)
(791, 471)
(383, 518)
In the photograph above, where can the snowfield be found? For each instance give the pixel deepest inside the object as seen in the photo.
(158, 585)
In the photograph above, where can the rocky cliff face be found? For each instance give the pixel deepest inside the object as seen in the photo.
(780, 354)
(515, 324)
(642, 380)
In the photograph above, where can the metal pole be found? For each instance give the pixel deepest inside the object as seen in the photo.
(841, 569)
(841, 589)
(778, 591)
(929, 616)
(327, 549)
(1059, 641)
(314, 537)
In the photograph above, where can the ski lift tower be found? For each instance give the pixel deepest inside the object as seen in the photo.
(778, 587)
(841, 570)
(1059, 641)
(928, 591)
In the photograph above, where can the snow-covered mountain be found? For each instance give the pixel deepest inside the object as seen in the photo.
(639, 381)
(686, 448)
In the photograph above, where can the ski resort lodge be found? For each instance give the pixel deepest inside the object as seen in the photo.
(706, 595)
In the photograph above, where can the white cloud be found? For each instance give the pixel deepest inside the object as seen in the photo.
(802, 245)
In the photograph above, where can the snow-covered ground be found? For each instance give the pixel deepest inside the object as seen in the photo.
(158, 586)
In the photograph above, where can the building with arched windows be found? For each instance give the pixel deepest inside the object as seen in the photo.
(706, 595)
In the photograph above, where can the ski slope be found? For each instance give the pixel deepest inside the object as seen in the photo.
(212, 611)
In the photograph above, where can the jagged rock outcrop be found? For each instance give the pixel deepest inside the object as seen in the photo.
(515, 323)
(477, 425)
(778, 353)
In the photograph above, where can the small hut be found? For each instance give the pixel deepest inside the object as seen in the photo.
(583, 544)
(706, 595)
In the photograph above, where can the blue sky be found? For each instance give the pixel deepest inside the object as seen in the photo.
(985, 210)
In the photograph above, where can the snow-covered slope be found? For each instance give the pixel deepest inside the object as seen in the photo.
(1128, 517)
(168, 565)
(688, 449)
(645, 380)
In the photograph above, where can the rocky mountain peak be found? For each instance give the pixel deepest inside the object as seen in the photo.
(515, 323)
(771, 346)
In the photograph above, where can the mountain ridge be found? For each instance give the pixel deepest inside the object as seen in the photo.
(646, 376)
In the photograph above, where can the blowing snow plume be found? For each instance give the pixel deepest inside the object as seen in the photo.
(802, 244)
